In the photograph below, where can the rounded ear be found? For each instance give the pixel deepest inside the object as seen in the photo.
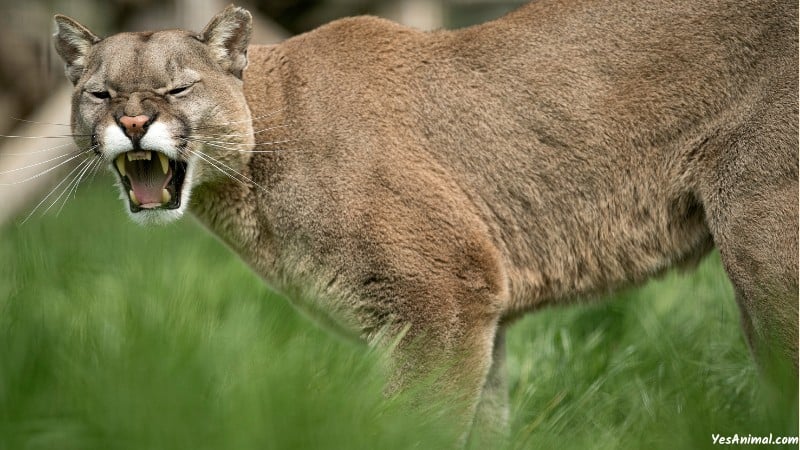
(228, 35)
(72, 42)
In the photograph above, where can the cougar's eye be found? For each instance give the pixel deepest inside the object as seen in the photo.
(179, 90)
(102, 95)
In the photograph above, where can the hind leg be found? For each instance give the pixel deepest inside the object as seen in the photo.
(751, 206)
(758, 241)
(751, 201)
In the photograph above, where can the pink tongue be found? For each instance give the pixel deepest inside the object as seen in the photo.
(147, 181)
(146, 193)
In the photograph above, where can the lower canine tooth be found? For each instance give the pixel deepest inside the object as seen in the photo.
(133, 198)
(165, 196)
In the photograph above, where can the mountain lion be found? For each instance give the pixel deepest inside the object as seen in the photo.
(429, 187)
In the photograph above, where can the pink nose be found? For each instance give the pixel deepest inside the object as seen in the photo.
(134, 125)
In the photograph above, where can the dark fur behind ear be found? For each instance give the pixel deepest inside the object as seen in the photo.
(72, 42)
(228, 35)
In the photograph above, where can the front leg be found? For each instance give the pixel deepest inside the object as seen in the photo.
(407, 260)
(445, 361)
(447, 315)
(490, 427)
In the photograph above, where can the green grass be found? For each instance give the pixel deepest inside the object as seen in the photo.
(114, 336)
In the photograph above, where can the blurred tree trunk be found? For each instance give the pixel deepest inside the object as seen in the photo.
(420, 14)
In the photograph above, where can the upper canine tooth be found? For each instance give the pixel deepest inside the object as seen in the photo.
(120, 161)
(164, 162)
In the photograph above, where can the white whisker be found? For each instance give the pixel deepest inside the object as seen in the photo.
(41, 123)
(65, 155)
(49, 149)
(230, 145)
(96, 169)
(58, 136)
(48, 170)
(76, 183)
(276, 142)
(203, 157)
(55, 188)
(270, 114)
(243, 134)
(209, 158)
(245, 120)
(83, 165)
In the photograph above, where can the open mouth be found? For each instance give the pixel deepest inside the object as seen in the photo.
(152, 180)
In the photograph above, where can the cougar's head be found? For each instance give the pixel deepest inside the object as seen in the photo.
(165, 109)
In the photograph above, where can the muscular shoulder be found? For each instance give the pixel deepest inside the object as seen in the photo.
(358, 37)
